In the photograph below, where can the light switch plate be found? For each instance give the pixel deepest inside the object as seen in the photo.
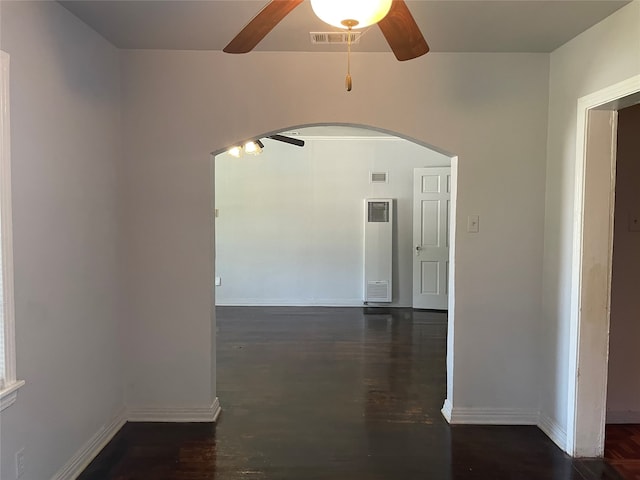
(20, 465)
(473, 223)
(218, 281)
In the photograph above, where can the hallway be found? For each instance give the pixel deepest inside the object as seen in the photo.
(334, 393)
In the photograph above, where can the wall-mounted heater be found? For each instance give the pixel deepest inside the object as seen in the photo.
(378, 242)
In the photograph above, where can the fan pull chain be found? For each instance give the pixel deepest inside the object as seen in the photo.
(348, 82)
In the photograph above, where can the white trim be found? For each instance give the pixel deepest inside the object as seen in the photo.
(553, 430)
(284, 302)
(175, 414)
(9, 394)
(453, 240)
(623, 416)
(83, 457)
(9, 383)
(217, 409)
(446, 410)
(493, 416)
(579, 370)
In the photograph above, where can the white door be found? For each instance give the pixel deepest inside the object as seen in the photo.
(431, 209)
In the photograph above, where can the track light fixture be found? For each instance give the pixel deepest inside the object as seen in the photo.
(254, 147)
(235, 151)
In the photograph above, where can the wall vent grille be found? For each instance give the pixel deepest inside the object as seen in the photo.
(379, 177)
(334, 38)
(378, 291)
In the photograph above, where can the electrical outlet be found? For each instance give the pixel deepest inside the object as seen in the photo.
(20, 463)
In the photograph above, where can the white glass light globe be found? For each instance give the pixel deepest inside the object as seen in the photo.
(339, 12)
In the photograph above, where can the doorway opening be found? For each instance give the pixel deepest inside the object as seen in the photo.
(622, 432)
(289, 221)
(592, 264)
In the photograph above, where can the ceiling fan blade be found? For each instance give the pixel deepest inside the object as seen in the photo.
(402, 32)
(261, 24)
(291, 141)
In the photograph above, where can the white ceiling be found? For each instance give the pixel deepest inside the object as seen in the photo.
(448, 25)
(334, 131)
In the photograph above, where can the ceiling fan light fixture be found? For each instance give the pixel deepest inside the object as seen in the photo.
(351, 13)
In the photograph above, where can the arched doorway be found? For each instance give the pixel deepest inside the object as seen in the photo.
(284, 190)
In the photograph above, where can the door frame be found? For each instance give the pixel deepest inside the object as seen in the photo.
(590, 272)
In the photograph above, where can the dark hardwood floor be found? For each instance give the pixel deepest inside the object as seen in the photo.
(334, 393)
(622, 449)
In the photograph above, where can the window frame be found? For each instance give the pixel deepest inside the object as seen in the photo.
(9, 385)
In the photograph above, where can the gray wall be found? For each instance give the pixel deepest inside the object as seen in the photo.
(84, 228)
(489, 109)
(290, 230)
(65, 114)
(598, 58)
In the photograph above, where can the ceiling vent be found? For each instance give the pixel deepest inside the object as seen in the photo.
(379, 177)
(334, 38)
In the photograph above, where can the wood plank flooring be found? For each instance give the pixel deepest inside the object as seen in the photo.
(622, 449)
(333, 394)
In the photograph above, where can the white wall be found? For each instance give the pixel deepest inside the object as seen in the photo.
(290, 230)
(605, 54)
(623, 396)
(65, 145)
(490, 109)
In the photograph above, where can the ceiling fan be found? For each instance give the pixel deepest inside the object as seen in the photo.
(392, 16)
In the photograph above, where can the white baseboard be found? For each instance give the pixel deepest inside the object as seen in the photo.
(83, 457)
(89, 450)
(217, 409)
(175, 414)
(553, 430)
(288, 302)
(446, 410)
(510, 416)
(323, 302)
(490, 416)
(623, 416)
